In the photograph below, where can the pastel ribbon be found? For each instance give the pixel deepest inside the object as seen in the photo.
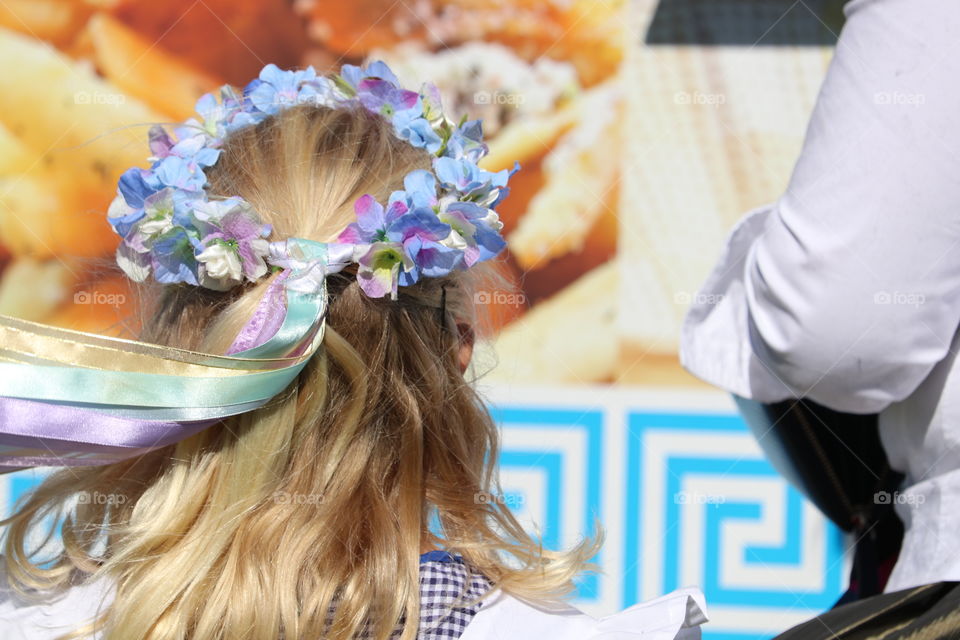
(74, 398)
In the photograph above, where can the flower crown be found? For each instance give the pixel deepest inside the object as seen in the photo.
(442, 220)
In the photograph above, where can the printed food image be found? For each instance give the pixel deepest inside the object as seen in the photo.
(623, 197)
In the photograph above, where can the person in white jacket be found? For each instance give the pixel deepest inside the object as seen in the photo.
(846, 290)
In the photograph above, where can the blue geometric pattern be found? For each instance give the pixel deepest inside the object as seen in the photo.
(764, 557)
(685, 496)
(590, 422)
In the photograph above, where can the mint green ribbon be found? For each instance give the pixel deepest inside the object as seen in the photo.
(182, 397)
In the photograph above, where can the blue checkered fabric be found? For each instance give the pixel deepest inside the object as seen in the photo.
(450, 596)
(450, 593)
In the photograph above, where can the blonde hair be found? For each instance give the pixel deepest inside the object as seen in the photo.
(305, 518)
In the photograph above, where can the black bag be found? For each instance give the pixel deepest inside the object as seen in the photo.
(837, 461)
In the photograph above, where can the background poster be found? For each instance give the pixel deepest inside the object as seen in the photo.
(644, 130)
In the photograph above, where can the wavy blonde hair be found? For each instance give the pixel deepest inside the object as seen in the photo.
(262, 525)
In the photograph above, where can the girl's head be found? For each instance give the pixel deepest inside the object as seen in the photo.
(322, 500)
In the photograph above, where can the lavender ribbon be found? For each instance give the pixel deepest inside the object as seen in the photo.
(266, 319)
(48, 434)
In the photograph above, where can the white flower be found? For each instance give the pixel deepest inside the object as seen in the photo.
(492, 220)
(155, 226)
(454, 240)
(222, 264)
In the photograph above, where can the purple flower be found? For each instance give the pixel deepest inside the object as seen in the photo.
(380, 269)
(353, 75)
(442, 219)
(396, 223)
(161, 144)
(380, 96)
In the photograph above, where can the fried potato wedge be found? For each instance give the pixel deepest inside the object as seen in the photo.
(146, 71)
(580, 177)
(588, 33)
(14, 155)
(56, 21)
(42, 217)
(32, 289)
(231, 39)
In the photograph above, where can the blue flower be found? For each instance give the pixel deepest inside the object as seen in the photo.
(417, 130)
(466, 177)
(183, 163)
(276, 89)
(373, 221)
(472, 231)
(466, 141)
(121, 216)
(419, 190)
(432, 259)
(181, 174)
(421, 223)
(173, 257)
(217, 114)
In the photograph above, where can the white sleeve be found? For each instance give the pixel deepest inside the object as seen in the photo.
(674, 616)
(847, 289)
(24, 619)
